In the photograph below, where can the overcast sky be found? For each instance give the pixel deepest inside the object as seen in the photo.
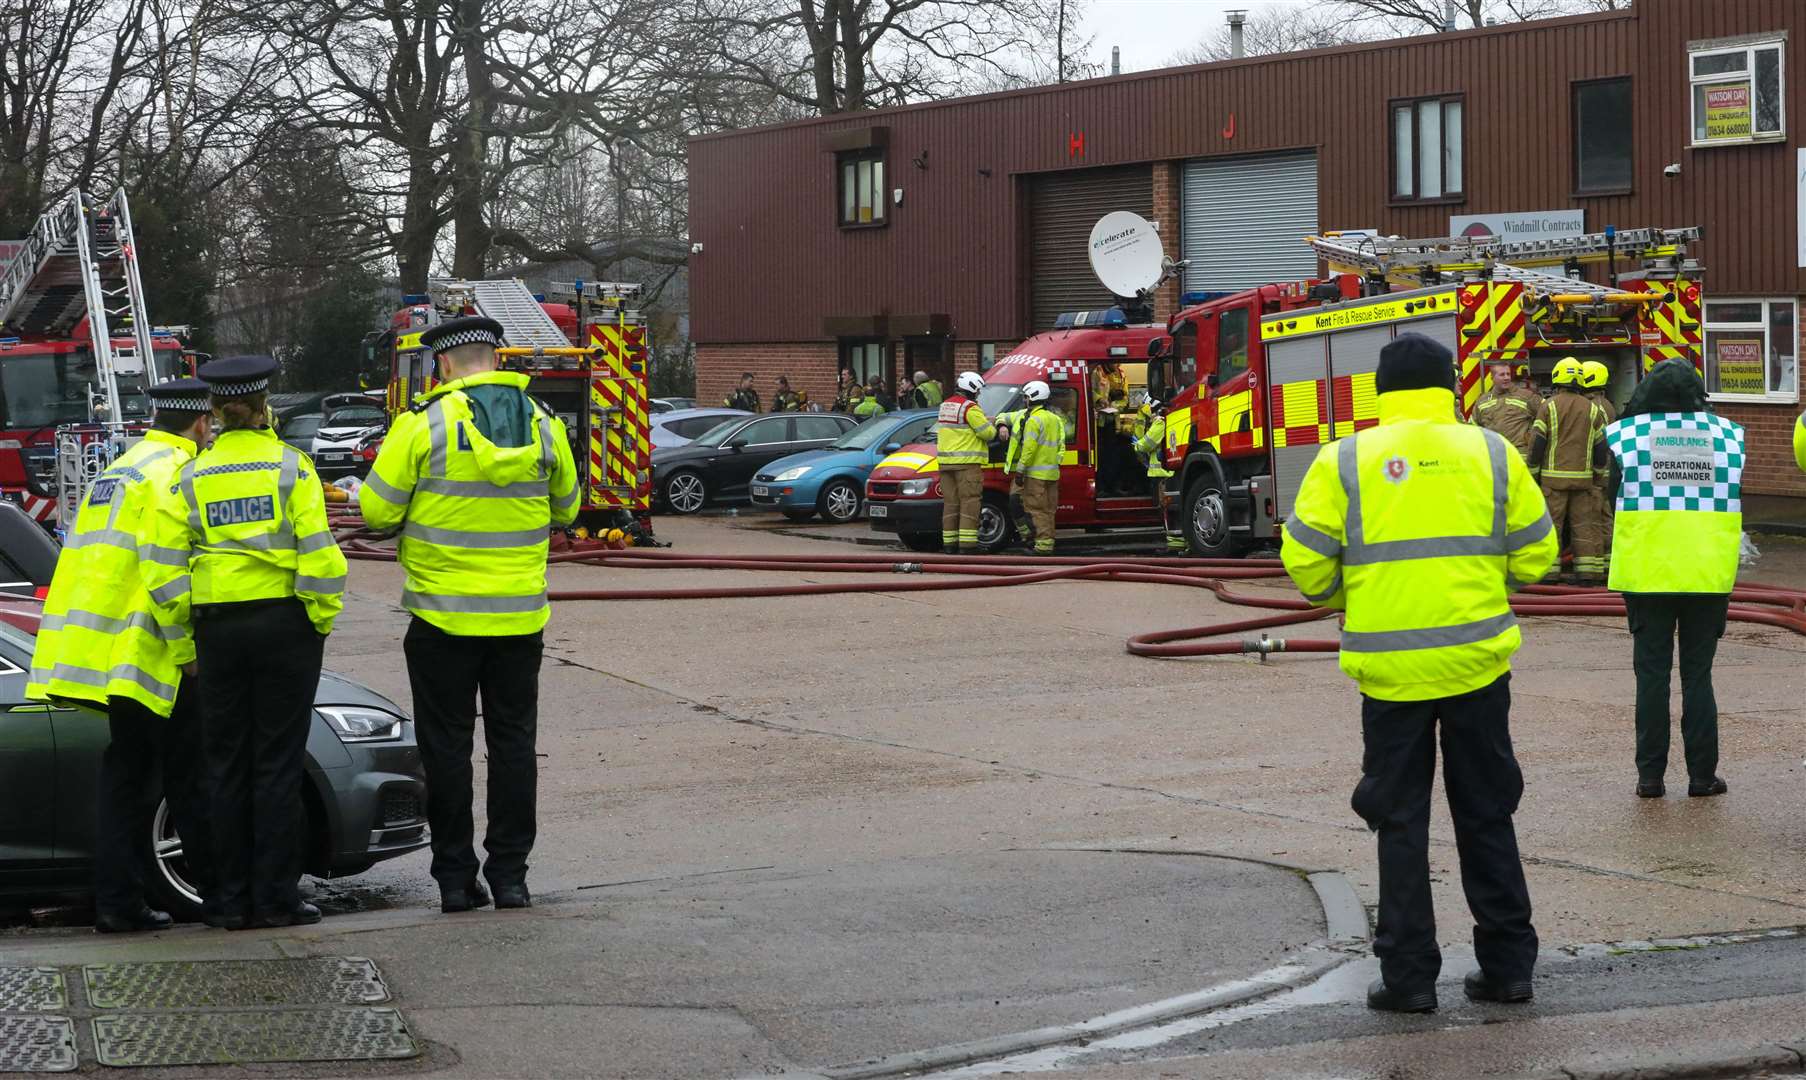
(1151, 31)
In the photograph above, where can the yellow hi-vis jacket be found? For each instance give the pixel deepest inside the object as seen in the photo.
(248, 523)
(1037, 442)
(99, 637)
(1799, 442)
(1151, 445)
(1420, 528)
(962, 434)
(475, 518)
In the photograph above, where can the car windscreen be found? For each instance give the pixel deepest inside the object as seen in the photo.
(689, 427)
(45, 390)
(866, 435)
(301, 427)
(718, 434)
(354, 418)
(999, 397)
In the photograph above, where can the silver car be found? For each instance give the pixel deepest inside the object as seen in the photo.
(679, 426)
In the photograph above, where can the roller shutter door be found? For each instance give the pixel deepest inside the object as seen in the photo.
(1244, 220)
(1062, 209)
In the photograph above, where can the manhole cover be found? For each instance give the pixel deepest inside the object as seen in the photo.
(185, 984)
(221, 1038)
(37, 1044)
(32, 989)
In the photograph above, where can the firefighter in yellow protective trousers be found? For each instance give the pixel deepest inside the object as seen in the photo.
(1037, 441)
(1418, 529)
(1151, 445)
(99, 644)
(246, 557)
(962, 446)
(1594, 379)
(475, 475)
(1512, 410)
(1570, 447)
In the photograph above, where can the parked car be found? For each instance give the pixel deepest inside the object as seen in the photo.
(336, 442)
(299, 430)
(719, 465)
(680, 426)
(831, 481)
(364, 792)
(672, 404)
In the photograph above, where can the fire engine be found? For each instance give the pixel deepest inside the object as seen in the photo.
(586, 351)
(77, 349)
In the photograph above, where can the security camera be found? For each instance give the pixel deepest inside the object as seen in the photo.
(696, 248)
(1672, 170)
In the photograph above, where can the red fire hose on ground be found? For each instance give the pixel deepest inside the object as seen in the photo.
(1762, 604)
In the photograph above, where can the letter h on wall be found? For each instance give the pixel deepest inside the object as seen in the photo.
(1075, 144)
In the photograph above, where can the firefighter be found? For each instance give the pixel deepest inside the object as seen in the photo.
(244, 553)
(928, 391)
(865, 405)
(1151, 445)
(1522, 375)
(1570, 447)
(1594, 378)
(962, 446)
(744, 396)
(474, 476)
(1428, 634)
(99, 645)
(1037, 441)
(1110, 379)
(1681, 472)
(785, 400)
(843, 392)
(1512, 410)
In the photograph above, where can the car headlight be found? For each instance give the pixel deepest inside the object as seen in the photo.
(356, 723)
(915, 487)
(792, 474)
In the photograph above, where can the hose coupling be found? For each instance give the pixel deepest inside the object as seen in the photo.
(906, 568)
(1264, 646)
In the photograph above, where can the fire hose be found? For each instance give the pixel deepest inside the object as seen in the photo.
(1766, 605)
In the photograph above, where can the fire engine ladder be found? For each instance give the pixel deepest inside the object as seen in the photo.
(614, 295)
(524, 323)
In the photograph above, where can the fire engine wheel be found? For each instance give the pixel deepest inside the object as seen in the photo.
(995, 529)
(685, 492)
(840, 502)
(1207, 519)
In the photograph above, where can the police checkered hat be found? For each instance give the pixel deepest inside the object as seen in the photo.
(469, 330)
(236, 376)
(179, 395)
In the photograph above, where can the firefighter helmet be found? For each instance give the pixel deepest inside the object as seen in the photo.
(970, 382)
(1567, 372)
(1036, 392)
(1594, 375)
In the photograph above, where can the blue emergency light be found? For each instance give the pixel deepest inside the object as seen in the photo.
(1109, 318)
(415, 298)
(1193, 298)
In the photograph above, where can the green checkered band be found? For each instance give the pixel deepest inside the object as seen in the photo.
(1678, 461)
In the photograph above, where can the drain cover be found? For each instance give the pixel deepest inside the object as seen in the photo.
(221, 1038)
(37, 1044)
(32, 989)
(184, 984)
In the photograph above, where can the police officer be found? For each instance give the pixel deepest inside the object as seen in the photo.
(100, 645)
(1429, 634)
(962, 446)
(1512, 410)
(1679, 531)
(245, 553)
(1151, 445)
(1570, 447)
(1037, 440)
(475, 475)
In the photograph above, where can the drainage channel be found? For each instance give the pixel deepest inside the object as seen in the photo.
(184, 1012)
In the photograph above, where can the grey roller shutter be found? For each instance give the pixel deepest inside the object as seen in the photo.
(1244, 220)
(1062, 209)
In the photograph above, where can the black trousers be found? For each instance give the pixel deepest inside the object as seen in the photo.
(1654, 620)
(260, 667)
(1483, 781)
(448, 673)
(147, 755)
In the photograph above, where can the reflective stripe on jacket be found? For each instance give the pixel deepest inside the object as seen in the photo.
(99, 637)
(1152, 447)
(475, 518)
(1679, 521)
(1513, 414)
(248, 523)
(1419, 528)
(868, 407)
(1573, 426)
(962, 435)
(1037, 443)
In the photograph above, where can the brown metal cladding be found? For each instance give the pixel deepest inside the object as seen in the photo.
(775, 262)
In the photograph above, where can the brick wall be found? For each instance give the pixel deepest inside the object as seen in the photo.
(810, 365)
(1166, 216)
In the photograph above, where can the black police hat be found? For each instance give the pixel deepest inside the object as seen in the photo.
(179, 395)
(468, 330)
(1415, 362)
(236, 376)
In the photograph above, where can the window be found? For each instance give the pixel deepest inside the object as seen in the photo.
(863, 358)
(1427, 145)
(987, 355)
(1751, 347)
(1065, 401)
(764, 432)
(1232, 344)
(1602, 136)
(1737, 92)
(861, 187)
(1185, 355)
(810, 428)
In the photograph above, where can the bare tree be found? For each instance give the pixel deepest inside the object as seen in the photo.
(1385, 17)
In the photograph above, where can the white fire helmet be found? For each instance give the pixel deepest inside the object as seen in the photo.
(970, 382)
(1036, 392)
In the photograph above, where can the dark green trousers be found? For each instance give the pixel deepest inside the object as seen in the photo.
(1655, 620)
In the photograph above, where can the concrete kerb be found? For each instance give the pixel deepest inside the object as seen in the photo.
(1769, 1058)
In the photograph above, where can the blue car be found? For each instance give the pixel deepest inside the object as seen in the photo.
(831, 481)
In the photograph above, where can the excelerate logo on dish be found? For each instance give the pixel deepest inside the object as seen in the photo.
(1105, 241)
(1397, 469)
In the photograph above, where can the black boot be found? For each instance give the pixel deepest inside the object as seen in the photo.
(513, 896)
(1651, 789)
(1700, 789)
(132, 922)
(1480, 988)
(464, 899)
(302, 914)
(1385, 999)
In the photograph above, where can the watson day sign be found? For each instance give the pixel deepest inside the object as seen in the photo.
(1526, 225)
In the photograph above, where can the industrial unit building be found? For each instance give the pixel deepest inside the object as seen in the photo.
(938, 236)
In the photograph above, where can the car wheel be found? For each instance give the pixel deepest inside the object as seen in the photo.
(1207, 519)
(799, 515)
(168, 881)
(840, 502)
(995, 529)
(685, 493)
(922, 542)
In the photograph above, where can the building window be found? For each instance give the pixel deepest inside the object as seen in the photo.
(1602, 136)
(862, 187)
(987, 355)
(1427, 150)
(1737, 92)
(1751, 346)
(863, 358)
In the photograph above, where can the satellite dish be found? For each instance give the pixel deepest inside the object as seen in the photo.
(1125, 253)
